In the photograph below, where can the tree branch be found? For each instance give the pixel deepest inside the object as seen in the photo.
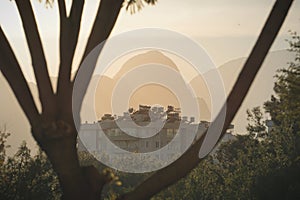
(106, 18)
(62, 9)
(189, 160)
(69, 32)
(95, 180)
(39, 63)
(11, 70)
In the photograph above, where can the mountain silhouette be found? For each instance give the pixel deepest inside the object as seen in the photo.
(13, 119)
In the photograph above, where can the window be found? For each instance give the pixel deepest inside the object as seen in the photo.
(169, 132)
(147, 144)
(110, 132)
(157, 144)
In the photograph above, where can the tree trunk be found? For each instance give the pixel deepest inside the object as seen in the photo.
(58, 138)
(63, 155)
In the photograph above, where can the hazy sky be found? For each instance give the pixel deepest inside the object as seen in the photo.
(227, 29)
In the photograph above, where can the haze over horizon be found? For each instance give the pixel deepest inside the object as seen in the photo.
(260, 91)
(227, 30)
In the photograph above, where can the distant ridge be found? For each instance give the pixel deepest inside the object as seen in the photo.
(13, 118)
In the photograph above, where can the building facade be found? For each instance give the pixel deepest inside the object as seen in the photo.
(176, 134)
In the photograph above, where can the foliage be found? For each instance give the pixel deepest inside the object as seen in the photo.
(27, 177)
(265, 163)
(285, 135)
(256, 124)
(132, 5)
(119, 182)
(3, 146)
(137, 5)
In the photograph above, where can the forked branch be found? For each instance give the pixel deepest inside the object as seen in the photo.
(189, 160)
(69, 33)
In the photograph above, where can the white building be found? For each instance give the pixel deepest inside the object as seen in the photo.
(93, 134)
